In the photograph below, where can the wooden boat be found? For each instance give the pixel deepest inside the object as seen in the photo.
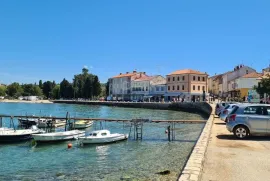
(102, 136)
(11, 135)
(58, 136)
(82, 124)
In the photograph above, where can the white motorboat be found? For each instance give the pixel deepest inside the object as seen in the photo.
(102, 136)
(12, 135)
(82, 124)
(58, 136)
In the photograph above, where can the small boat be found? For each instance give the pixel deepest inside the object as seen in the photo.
(58, 136)
(27, 122)
(49, 123)
(82, 124)
(102, 136)
(11, 135)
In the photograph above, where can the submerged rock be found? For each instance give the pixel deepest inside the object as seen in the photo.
(166, 172)
(125, 178)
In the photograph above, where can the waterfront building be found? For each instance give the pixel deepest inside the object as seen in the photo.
(120, 85)
(238, 72)
(239, 87)
(188, 84)
(148, 88)
(214, 85)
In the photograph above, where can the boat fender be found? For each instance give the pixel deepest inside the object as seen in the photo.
(166, 132)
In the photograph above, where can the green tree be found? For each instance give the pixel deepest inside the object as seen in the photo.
(264, 86)
(14, 90)
(47, 88)
(2, 90)
(107, 88)
(56, 92)
(88, 90)
(66, 90)
(40, 84)
(31, 90)
(96, 87)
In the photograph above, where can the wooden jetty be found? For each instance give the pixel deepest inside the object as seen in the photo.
(137, 124)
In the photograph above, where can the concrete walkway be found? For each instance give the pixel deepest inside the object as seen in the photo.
(229, 159)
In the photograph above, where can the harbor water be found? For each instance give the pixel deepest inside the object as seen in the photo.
(126, 160)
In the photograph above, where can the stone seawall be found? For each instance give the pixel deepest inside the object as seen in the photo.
(201, 108)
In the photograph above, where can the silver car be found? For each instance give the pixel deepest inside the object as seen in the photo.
(249, 119)
(226, 111)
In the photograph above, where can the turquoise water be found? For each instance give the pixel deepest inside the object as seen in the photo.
(127, 160)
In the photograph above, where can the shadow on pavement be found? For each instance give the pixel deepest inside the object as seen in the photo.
(250, 138)
(220, 123)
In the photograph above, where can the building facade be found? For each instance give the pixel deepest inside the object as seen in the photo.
(148, 88)
(120, 85)
(188, 84)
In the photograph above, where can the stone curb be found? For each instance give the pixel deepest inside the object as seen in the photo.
(194, 166)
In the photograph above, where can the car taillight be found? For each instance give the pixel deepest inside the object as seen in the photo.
(232, 117)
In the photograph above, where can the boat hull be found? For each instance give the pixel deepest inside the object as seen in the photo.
(91, 140)
(14, 138)
(60, 136)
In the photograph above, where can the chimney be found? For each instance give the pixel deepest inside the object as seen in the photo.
(127, 72)
(144, 73)
(134, 71)
(120, 73)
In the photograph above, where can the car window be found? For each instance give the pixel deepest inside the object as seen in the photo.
(227, 107)
(234, 110)
(258, 110)
(223, 104)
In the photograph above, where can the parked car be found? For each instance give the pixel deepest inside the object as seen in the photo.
(226, 111)
(220, 107)
(249, 119)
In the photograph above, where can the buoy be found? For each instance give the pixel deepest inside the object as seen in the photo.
(69, 145)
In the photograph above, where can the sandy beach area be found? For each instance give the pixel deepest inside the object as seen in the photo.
(23, 101)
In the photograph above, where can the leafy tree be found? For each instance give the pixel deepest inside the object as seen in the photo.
(56, 92)
(47, 88)
(264, 86)
(2, 90)
(66, 90)
(96, 87)
(14, 90)
(40, 84)
(31, 90)
(107, 89)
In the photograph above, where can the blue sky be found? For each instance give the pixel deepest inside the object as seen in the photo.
(52, 40)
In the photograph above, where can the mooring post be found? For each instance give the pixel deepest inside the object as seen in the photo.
(169, 133)
(66, 121)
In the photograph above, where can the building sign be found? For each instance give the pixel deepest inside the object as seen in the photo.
(253, 96)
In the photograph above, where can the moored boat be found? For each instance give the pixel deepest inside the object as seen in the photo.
(82, 124)
(102, 136)
(58, 136)
(11, 135)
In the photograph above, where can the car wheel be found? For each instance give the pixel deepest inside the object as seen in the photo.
(241, 132)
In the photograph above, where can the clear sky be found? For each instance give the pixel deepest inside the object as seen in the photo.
(54, 39)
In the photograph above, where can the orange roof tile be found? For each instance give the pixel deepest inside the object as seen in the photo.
(124, 75)
(252, 75)
(145, 78)
(187, 71)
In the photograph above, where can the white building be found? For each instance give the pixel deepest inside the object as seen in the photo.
(148, 87)
(120, 85)
(238, 71)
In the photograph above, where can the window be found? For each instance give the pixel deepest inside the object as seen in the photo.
(199, 78)
(169, 79)
(183, 78)
(259, 110)
(169, 88)
(146, 89)
(203, 88)
(194, 78)
(194, 87)
(173, 79)
(199, 87)
(172, 87)
(94, 134)
(103, 134)
(157, 88)
(246, 71)
(178, 78)
(183, 87)
(143, 89)
(178, 87)
(162, 88)
(203, 79)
